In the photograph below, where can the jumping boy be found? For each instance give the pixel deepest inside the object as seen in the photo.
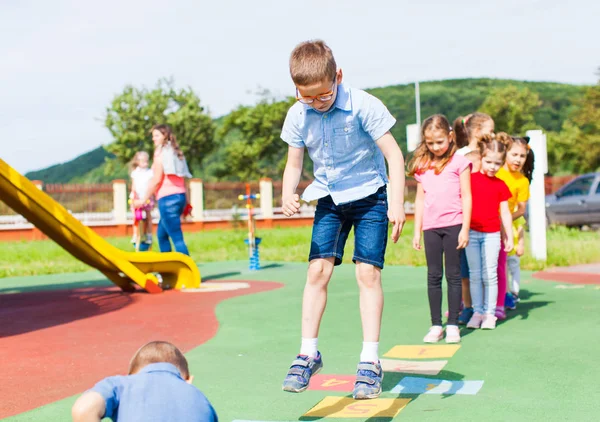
(347, 134)
(158, 388)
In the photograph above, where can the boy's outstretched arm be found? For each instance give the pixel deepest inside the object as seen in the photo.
(90, 407)
(291, 177)
(391, 151)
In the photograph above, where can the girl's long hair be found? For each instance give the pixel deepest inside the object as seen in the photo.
(169, 138)
(423, 159)
(468, 127)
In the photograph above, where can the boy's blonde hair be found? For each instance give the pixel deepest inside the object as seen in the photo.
(159, 352)
(312, 62)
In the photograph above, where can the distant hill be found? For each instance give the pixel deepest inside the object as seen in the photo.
(450, 97)
(76, 168)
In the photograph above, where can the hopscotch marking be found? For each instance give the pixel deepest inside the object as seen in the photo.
(346, 407)
(423, 352)
(429, 367)
(332, 382)
(414, 385)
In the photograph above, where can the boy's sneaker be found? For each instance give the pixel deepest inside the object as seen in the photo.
(148, 240)
(489, 322)
(500, 313)
(465, 316)
(368, 381)
(509, 302)
(435, 334)
(475, 321)
(452, 334)
(516, 297)
(298, 377)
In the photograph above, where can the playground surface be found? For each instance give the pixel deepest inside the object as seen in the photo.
(60, 334)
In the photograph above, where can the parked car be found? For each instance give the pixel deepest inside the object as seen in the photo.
(577, 203)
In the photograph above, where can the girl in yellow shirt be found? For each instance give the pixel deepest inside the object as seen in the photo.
(516, 173)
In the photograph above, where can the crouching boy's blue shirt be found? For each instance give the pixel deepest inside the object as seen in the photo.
(348, 164)
(156, 393)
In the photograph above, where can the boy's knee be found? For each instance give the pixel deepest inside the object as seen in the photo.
(368, 275)
(319, 271)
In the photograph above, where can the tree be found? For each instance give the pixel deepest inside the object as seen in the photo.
(512, 109)
(133, 112)
(253, 145)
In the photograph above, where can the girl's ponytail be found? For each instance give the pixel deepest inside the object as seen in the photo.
(460, 131)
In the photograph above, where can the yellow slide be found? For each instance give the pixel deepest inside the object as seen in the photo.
(122, 268)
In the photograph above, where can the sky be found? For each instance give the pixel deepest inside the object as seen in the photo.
(62, 62)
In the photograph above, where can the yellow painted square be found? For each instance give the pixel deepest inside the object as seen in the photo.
(423, 352)
(345, 407)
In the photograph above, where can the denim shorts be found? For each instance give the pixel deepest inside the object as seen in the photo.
(464, 264)
(333, 223)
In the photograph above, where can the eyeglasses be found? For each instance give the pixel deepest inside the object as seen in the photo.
(323, 98)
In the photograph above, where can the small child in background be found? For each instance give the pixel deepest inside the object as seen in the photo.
(443, 213)
(468, 131)
(141, 175)
(489, 195)
(516, 173)
(158, 387)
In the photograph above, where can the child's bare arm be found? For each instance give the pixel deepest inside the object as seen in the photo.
(467, 207)
(520, 211)
(506, 218)
(291, 177)
(393, 155)
(419, 204)
(89, 407)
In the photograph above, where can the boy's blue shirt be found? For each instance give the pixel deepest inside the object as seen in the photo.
(156, 393)
(348, 164)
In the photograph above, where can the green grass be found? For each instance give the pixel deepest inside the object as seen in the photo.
(565, 247)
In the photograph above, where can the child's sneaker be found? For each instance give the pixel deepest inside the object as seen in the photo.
(509, 302)
(475, 321)
(452, 334)
(134, 240)
(516, 297)
(465, 316)
(489, 322)
(435, 334)
(298, 377)
(500, 313)
(368, 381)
(148, 240)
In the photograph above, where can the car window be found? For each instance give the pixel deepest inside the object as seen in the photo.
(598, 189)
(579, 186)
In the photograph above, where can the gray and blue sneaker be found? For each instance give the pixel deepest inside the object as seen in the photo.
(298, 377)
(465, 316)
(509, 302)
(368, 381)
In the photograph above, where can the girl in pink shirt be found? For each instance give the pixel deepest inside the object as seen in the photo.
(443, 213)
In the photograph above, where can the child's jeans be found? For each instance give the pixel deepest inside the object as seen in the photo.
(514, 264)
(170, 208)
(333, 223)
(483, 253)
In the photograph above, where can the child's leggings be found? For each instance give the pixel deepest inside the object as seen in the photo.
(501, 276)
(439, 243)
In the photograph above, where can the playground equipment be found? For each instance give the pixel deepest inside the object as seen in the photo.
(252, 241)
(122, 268)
